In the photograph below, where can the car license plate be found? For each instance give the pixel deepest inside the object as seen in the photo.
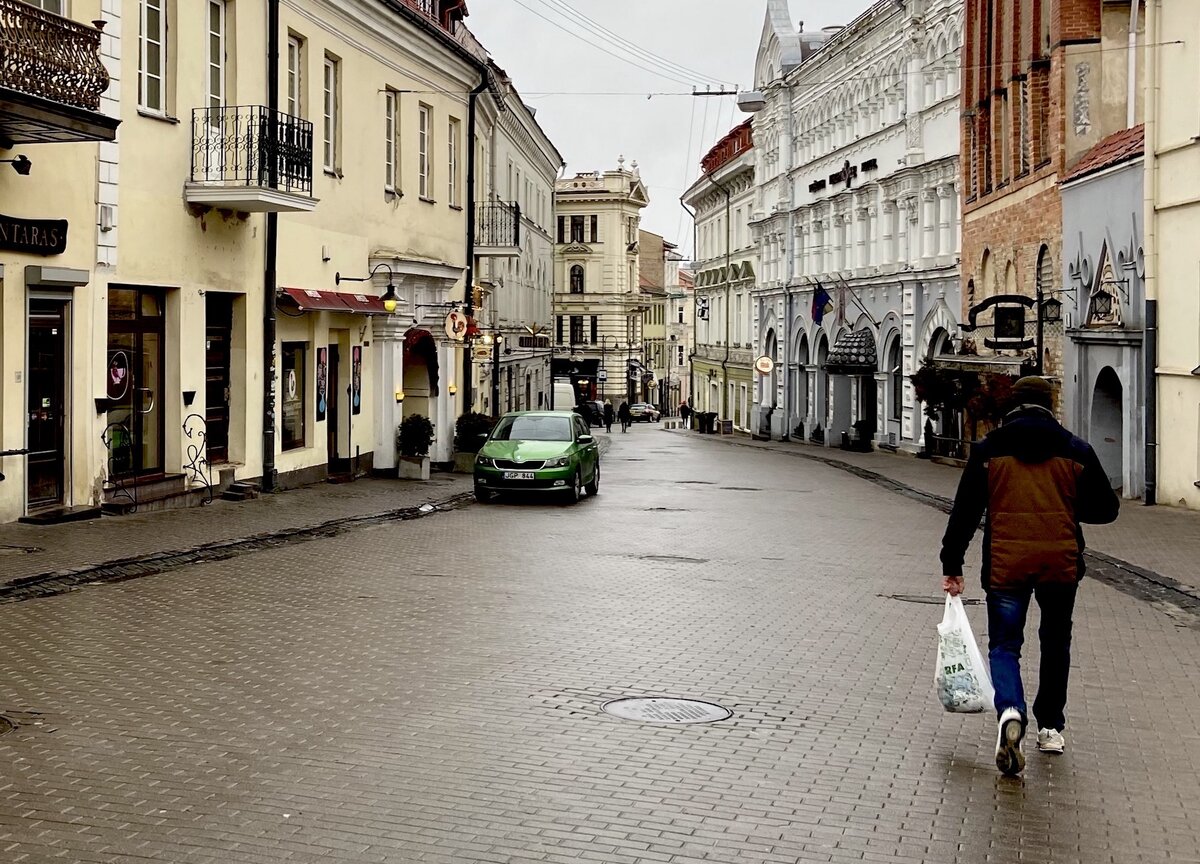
(519, 475)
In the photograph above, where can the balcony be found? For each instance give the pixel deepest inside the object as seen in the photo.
(248, 159)
(497, 230)
(51, 79)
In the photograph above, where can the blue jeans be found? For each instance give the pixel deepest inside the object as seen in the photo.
(1006, 634)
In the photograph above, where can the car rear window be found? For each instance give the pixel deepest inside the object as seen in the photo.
(533, 428)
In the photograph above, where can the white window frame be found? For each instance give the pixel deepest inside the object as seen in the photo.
(295, 76)
(424, 136)
(329, 109)
(60, 6)
(148, 44)
(216, 100)
(391, 154)
(453, 132)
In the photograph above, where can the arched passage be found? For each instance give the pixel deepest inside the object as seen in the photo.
(770, 397)
(1107, 423)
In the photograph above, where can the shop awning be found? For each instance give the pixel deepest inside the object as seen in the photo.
(1014, 366)
(853, 354)
(311, 300)
(363, 304)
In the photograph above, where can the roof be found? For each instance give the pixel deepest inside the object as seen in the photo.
(1118, 148)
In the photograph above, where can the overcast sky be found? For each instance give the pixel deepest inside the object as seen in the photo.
(563, 70)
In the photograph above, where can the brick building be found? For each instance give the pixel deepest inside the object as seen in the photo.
(1044, 81)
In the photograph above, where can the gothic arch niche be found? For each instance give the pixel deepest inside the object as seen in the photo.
(1107, 424)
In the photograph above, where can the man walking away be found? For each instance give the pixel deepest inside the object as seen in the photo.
(624, 416)
(1037, 483)
(608, 416)
(685, 411)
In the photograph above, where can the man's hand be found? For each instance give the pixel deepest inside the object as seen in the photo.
(952, 585)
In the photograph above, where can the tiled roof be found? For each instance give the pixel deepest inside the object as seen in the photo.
(1123, 146)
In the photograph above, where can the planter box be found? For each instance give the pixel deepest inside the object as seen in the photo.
(414, 468)
(464, 463)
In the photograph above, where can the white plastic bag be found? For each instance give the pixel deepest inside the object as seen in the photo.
(962, 679)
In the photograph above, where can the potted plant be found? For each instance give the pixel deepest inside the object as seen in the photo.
(470, 432)
(413, 440)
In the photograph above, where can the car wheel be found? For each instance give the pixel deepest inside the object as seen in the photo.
(593, 488)
(576, 491)
(482, 495)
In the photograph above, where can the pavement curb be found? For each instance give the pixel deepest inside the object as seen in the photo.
(1128, 578)
(54, 582)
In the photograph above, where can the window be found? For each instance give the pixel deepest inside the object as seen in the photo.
(576, 229)
(295, 48)
(331, 114)
(897, 373)
(424, 131)
(577, 279)
(595, 328)
(679, 311)
(216, 54)
(452, 161)
(562, 229)
(152, 58)
(558, 330)
(295, 394)
(391, 101)
(595, 226)
(576, 329)
(680, 349)
(58, 7)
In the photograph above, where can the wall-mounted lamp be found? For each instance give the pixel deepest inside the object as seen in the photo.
(390, 298)
(399, 395)
(21, 164)
(453, 388)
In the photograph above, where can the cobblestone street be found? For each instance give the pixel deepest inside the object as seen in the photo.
(430, 691)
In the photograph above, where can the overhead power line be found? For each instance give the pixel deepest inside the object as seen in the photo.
(625, 44)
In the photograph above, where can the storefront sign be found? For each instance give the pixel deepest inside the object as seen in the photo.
(322, 382)
(34, 236)
(356, 379)
(765, 365)
(456, 326)
(118, 375)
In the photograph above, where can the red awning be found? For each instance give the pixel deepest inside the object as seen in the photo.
(363, 303)
(310, 300)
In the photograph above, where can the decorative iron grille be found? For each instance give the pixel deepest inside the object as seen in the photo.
(118, 442)
(249, 145)
(50, 56)
(196, 467)
(497, 224)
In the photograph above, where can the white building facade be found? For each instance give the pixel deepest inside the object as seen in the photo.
(856, 219)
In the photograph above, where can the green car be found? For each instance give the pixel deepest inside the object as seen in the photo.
(538, 451)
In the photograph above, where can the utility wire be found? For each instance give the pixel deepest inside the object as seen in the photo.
(615, 38)
(687, 164)
(678, 79)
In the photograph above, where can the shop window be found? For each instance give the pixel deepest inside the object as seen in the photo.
(295, 394)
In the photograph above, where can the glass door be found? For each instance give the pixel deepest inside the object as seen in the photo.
(47, 391)
(218, 360)
(135, 367)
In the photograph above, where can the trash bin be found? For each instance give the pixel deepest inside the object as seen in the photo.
(708, 423)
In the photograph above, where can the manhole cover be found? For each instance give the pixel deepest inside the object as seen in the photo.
(665, 710)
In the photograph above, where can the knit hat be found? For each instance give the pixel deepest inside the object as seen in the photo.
(1033, 390)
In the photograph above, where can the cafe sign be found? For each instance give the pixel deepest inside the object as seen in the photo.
(33, 236)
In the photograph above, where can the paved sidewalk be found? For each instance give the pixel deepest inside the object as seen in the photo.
(1162, 540)
(32, 550)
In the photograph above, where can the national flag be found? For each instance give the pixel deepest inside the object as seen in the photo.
(822, 304)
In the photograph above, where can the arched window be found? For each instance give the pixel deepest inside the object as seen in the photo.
(894, 368)
(1045, 271)
(577, 279)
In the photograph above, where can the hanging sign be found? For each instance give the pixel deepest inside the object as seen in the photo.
(322, 383)
(118, 375)
(356, 380)
(33, 236)
(765, 365)
(456, 326)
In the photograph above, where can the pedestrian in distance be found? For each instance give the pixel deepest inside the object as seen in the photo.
(608, 416)
(624, 416)
(1037, 483)
(685, 412)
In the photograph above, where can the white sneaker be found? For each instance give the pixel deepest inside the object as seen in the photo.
(1009, 758)
(1051, 741)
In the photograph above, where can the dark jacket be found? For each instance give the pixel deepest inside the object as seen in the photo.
(623, 412)
(608, 413)
(1037, 483)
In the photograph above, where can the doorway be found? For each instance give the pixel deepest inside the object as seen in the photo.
(135, 434)
(218, 357)
(1106, 426)
(333, 417)
(47, 388)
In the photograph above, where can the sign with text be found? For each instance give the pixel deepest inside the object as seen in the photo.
(33, 236)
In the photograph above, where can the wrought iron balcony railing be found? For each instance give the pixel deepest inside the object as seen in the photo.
(248, 145)
(49, 56)
(497, 226)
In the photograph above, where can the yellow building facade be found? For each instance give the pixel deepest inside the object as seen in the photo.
(152, 323)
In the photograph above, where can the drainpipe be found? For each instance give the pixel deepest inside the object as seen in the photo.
(469, 289)
(728, 288)
(270, 275)
(1131, 94)
(1150, 243)
(692, 353)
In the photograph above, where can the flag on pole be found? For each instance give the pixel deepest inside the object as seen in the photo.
(822, 304)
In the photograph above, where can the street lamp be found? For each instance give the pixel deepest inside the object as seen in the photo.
(390, 299)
